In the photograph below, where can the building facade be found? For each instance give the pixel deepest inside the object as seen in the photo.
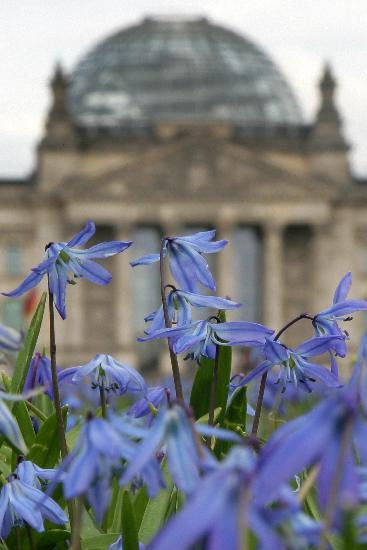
(172, 126)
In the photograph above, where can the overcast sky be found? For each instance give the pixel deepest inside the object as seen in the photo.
(298, 34)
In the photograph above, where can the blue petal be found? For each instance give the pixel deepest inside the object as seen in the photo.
(257, 371)
(345, 308)
(316, 346)
(20, 496)
(197, 517)
(279, 453)
(197, 265)
(94, 272)
(343, 288)
(145, 260)
(9, 428)
(10, 339)
(199, 236)
(103, 250)
(275, 352)
(29, 282)
(182, 270)
(321, 373)
(218, 433)
(146, 450)
(241, 331)
(182, 451)
(80, 473)
(84, 235)
(200, 300)
(4, 503)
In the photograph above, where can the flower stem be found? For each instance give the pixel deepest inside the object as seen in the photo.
(75, 539)
(260, 397)
(213, 393)
(32, 544)
(167, 321)
(55, 384)
(102, 395)
(56, 392)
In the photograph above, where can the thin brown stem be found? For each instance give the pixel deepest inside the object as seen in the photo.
(56, 392)
(213, 393)
(32, 543)
(167, 321)
(55, 383)
(75, 539)
(260, 397)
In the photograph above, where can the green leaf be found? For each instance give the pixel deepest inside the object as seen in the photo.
(51, 537)
(236, 413)
(99, 542)
(21, 413)
(45, 450)
(156, 510)
(25, 355)
(201, 388)
(140, 504)
(128, 524)
(235, 419)
(204, 419)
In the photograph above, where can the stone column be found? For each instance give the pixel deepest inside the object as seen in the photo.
(273, 274)
(224, 261)
(322, 259)
(124, 299)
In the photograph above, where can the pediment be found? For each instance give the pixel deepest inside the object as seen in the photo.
(204, 170)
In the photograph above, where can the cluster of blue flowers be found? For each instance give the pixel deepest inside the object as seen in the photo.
(226, 487)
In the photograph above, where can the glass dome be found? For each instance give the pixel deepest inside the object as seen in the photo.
(173, 70)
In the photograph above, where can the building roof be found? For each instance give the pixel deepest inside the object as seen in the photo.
(179, 70)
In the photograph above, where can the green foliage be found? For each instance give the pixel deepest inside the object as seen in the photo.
(128, 524)
(25, 355)
(156, 510)
(201, 388)
(45, 450)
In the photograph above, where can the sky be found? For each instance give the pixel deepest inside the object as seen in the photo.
(300, 35)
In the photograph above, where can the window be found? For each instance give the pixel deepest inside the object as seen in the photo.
(146, 280)
(247, 273)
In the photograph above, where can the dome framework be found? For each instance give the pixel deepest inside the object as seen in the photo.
(179, 70)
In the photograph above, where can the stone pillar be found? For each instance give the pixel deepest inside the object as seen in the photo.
(322, 260)
(273, 275)
(224, 262)
(124, 298)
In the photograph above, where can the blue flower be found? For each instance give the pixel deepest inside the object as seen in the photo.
(148, 405)
(187, 264)
(22, 503)
(30, 473)
(11, 340)
(106, 372)
(201, 337)
(227, 499)
(89, 467)
(326, 321)
(336, 425)
(175, 430)
(63, 260)
(179, 311)
(39, 374)
(8, 425)
(294, 365)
